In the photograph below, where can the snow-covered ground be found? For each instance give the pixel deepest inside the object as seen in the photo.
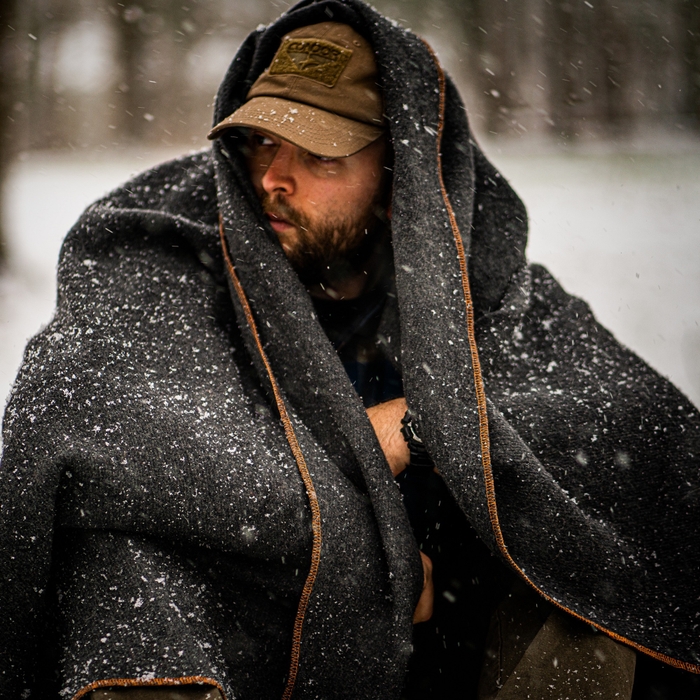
(621, 231)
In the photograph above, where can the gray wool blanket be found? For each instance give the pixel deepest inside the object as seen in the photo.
(190, 488)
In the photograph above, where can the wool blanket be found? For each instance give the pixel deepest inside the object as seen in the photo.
(191, 490)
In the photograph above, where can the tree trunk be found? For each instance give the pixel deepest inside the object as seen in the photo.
(690, 17)
(8, 72)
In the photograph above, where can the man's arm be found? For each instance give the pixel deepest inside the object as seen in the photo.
(424, 609)
(386, 421)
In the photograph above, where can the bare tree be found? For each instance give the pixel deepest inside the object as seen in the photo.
(576, 66)
(589, 52)
(8, 89)
(689, 12)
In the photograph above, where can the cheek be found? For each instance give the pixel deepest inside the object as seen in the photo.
(366, 190)
(256, 170)
(350, 201)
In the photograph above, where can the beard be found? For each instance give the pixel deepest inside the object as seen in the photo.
(333, 249)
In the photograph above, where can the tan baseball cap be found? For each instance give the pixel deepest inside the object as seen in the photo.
(320, 93)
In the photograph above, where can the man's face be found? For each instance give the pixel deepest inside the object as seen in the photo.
(322, 209)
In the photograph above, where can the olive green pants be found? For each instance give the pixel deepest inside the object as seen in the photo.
(535, 651)
(532, 651)
(158, 692)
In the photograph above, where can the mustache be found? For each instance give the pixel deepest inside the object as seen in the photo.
(332, 247)
(277, 206)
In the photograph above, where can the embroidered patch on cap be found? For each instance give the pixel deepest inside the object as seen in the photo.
(319, 60)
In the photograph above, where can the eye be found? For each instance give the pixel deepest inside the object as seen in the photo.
(323, 159)
(259, 139)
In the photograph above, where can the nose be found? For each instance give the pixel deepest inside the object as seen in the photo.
(279, 175)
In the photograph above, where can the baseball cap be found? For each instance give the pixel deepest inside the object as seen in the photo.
(320, 93)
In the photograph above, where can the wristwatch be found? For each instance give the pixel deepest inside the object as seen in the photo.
(419, 455)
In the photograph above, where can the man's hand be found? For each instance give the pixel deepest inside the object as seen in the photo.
(424, 609)
(386, 421)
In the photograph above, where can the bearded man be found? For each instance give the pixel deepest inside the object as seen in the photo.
(306, 423)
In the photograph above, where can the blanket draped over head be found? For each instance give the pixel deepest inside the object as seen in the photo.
(191, 490)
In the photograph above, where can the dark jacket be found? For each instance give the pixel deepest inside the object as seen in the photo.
(185, 460)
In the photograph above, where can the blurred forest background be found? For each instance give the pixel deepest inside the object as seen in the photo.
(103, 74)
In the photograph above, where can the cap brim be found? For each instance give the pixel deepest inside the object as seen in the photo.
(315, 130)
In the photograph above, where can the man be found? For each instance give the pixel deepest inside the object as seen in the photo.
(198, 492)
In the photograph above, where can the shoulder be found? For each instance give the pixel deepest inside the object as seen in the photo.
(161, 224)
(185, 186)
(171, 207)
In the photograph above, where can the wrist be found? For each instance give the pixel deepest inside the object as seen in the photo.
(411, 434)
